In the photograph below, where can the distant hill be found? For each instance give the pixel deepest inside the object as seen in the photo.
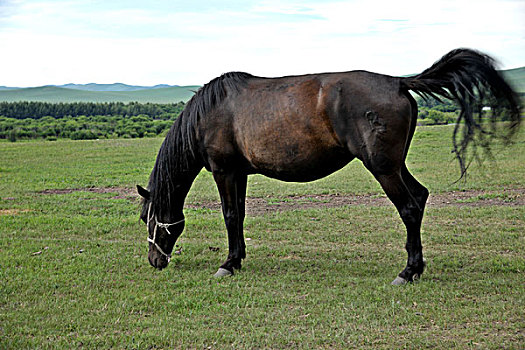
(101, 87)
(119, 92)
(113, 87)
(89, 93)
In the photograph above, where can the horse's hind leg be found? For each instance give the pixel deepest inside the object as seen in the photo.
(409, 198)
(418, 191)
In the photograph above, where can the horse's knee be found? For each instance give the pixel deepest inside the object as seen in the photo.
(231, 217)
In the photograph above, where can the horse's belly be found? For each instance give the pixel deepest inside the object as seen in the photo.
(292, 147)
(296, 164)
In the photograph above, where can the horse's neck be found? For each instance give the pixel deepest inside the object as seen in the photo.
(178, 195)
(183, 165)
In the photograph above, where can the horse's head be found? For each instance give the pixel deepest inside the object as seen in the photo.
(163, 230)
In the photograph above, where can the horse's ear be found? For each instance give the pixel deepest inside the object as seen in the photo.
(144, 193)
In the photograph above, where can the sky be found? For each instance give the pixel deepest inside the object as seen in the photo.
(53, 42)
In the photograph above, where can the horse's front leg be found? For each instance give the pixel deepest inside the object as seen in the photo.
(232, 189)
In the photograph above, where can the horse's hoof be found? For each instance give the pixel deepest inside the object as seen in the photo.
(221, 272)
(399, 281)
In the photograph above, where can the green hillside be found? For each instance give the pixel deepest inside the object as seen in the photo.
(54, 94)
(516, 78)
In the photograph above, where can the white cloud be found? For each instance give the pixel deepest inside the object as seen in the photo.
(82, 41)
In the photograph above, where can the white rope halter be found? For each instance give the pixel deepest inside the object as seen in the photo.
(161, 225)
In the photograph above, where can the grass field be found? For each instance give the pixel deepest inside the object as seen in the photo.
(74, 270)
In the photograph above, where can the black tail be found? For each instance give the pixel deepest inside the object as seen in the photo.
(470, 79)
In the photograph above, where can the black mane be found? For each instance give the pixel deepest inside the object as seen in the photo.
(178, 151)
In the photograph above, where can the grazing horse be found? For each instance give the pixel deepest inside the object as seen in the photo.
(302, 128)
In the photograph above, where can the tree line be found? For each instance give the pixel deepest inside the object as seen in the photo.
(434, 112)
(445, 111)
(83, 127)
(87, 120)
(37, 110)
(84, 121)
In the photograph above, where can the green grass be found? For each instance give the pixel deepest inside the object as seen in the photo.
(75, 274)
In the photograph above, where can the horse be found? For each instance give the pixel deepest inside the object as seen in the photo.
(302, 128)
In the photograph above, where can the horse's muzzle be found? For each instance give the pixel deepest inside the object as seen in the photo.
(157, 261)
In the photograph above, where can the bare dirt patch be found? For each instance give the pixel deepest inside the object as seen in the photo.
(261, 206)
(13, 211)
(121, 192)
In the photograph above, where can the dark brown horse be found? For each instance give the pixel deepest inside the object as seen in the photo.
(302, 128)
